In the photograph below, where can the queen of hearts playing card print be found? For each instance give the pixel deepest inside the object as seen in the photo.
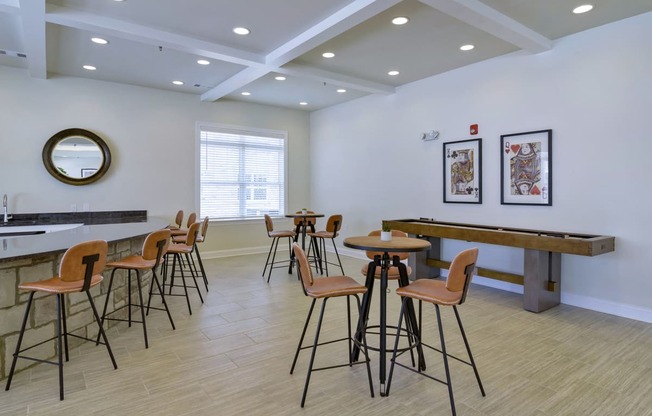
(526, 161)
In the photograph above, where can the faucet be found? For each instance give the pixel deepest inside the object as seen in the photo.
(4, 205)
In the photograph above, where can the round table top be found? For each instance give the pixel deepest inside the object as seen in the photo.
(397, 244)
(306, 215)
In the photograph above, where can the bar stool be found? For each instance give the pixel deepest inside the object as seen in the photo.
(192, 218)
(176, 250)
(451, 292)
(326, 288)
(80, 269)
(318, 240)
(178, 221)
(154, 248)
(276, 236)
(201, 236)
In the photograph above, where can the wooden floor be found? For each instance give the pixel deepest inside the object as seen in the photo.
(232, 357)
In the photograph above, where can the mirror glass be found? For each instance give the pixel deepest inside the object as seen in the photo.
(76, 156)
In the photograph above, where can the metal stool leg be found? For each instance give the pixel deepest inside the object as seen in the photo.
(303, 334)
(468, 350)
(102, 333)
(60, 306)
(314, 350)
(443, 353)
(20, 341)
(142, 307)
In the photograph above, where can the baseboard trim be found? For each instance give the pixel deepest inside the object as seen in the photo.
(586, 302)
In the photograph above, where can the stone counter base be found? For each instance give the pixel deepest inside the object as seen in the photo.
(42, 322)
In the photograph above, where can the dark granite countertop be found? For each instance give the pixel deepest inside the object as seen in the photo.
(86, 218)
(96, 226)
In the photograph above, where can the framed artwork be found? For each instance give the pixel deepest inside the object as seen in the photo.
(86, 172)
(526, 168)
(463, 172)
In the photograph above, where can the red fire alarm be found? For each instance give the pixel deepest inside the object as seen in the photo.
(474, 129)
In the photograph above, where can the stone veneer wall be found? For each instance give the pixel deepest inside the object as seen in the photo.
(42, 323)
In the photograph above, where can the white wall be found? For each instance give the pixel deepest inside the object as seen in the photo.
(151, 134)
(594, 90)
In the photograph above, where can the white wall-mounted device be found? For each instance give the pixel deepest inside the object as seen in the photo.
(431, 135)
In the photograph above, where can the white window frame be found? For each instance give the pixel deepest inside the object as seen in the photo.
(244, 130)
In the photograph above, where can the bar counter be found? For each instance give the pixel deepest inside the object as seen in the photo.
(36, 257)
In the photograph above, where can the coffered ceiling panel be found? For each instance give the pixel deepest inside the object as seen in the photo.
(152, 43)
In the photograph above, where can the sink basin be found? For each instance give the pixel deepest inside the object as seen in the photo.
(22, 230)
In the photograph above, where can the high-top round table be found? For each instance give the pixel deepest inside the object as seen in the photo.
(396, 245)
(304, 223)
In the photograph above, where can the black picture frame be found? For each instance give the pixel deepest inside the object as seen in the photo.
(526, 168)
(463, 171)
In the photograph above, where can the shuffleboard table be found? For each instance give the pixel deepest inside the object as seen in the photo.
(541, 276)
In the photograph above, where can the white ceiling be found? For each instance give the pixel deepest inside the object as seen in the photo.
(153, 42)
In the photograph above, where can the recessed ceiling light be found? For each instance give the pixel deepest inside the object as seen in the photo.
(303, 103)
(583, 8)
(241, 31)
(119, 1)
(99, 41)
(328, 54)
(177, 82)
(89, 67)
(280, 78)
(393, 73)
(203, 62)
(467, 47)
(245, 93)
(401, 20)
(341, 90)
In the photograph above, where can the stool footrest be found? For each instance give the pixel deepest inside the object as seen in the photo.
(419, 372)
(341, 365)
(122, 320)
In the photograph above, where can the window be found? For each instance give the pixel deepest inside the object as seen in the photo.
(241, 172)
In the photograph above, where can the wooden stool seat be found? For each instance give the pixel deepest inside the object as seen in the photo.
(335, 286)
(133, 262)
(431, 291)
(56, 285)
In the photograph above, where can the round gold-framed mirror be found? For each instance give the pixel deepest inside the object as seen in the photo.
(76, 156)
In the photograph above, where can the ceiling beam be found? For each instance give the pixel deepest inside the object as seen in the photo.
(335, 24)
(234, 83)
(339, 22)
(147, 35)
(32, 13)
(340, 80)
(478, 14)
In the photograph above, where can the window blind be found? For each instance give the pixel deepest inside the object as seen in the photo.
(242, 172)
